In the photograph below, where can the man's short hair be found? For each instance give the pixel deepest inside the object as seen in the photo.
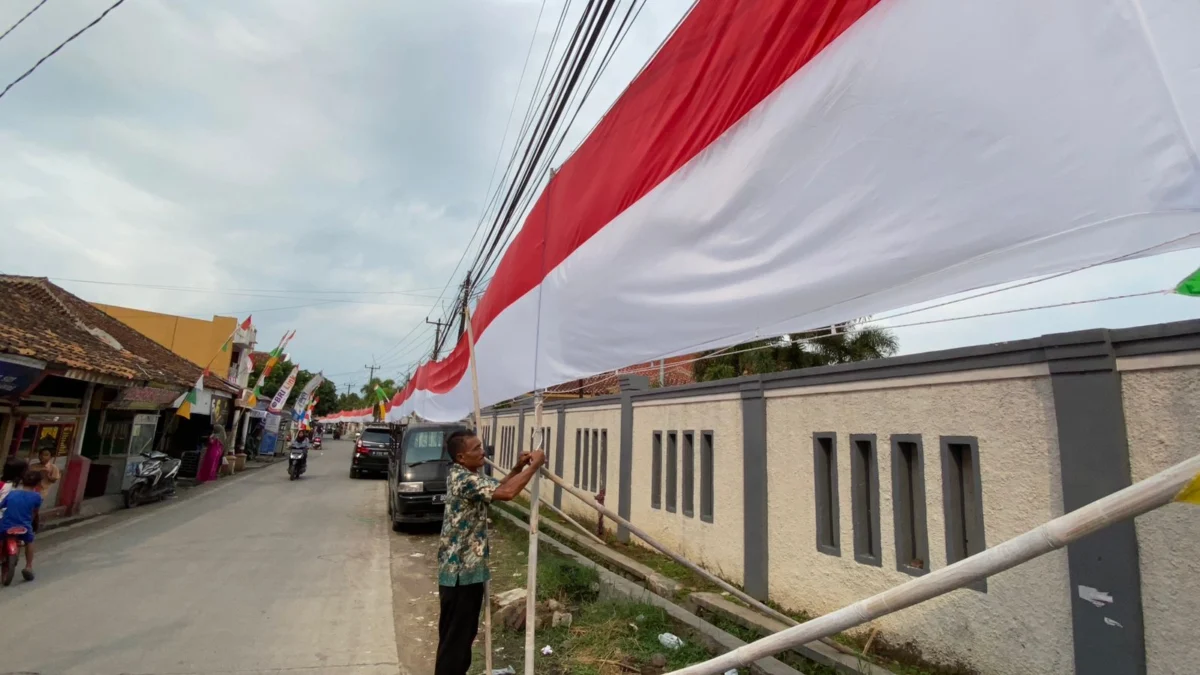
(456, 443)
(31, 478)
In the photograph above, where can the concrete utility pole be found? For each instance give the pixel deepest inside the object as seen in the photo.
(371, 368)
(466, 299)
(437, 335)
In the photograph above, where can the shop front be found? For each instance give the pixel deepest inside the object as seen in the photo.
(18, 375)
(123, 430)
(50, 419)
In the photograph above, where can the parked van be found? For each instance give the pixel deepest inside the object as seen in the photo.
(417, 474)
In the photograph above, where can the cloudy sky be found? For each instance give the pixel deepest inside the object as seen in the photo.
(323, 164)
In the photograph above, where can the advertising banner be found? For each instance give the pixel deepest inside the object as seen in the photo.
(285, 389)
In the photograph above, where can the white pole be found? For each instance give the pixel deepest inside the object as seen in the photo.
(487, 585)
(561, 514)
(1132, 501)
(531, 586)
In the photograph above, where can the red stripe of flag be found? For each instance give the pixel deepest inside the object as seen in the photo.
(724, 59)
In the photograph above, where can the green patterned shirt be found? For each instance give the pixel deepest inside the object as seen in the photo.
(463, 553)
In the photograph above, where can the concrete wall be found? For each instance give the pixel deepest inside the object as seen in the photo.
(1013, 420)
(718, 546)
(1058, 420)
(196, 340)
(608, 418)
(1160, 396)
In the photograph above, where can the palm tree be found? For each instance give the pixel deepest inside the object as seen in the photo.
(843, 343)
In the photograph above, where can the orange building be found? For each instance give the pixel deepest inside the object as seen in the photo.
(197, 340)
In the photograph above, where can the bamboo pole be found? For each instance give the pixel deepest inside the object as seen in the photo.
(1132, 501)
(641, 534)
(487, 585)
(559, 512)
(531, 586)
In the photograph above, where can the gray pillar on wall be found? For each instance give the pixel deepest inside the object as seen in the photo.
(559, 452)
(1094, 455)
(492, 434)
(754, 488)
(629, 385)
(521, 432)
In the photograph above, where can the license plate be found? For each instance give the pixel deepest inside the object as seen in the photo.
(439, 499)
(378, 453)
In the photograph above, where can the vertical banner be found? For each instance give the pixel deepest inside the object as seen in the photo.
(284, 389)
(270, 434)
(302, 400)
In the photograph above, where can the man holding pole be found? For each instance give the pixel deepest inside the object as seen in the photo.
(463, 553)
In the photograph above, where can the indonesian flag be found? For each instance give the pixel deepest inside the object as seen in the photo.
(783, 165)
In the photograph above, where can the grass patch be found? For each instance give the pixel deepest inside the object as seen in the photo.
(607, 637)
(902, 659)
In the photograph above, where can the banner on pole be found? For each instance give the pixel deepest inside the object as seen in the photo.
(284, 389)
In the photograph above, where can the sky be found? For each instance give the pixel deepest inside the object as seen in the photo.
(324, 164)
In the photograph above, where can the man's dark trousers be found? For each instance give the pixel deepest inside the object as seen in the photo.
(457, 627)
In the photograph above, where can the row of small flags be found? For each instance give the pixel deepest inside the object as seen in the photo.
(193, 395)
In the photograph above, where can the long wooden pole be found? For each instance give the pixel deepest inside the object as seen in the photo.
(641, 534)
(487, 585)
(559, 512)
(531, 586)
(1132, 501)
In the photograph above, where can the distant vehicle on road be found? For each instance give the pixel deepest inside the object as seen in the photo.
(371, 451)
(417, 475)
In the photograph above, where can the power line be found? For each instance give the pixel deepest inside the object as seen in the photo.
(414, 291)
(575, 59)
(60, 46)
(622, 31)
(22, 19)
(500, 150)
(525, 122)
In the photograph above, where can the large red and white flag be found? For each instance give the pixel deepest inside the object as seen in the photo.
(782, 165)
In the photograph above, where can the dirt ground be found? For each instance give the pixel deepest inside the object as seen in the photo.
(414, 594)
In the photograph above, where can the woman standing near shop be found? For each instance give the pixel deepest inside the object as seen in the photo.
(211, 464)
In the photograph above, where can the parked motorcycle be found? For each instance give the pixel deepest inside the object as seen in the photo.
(10, 551)
(153, 479)
(297, 461)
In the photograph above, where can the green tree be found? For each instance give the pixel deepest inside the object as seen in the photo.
(326, 394)
(350, 401)
(851, 341)
(368, 389)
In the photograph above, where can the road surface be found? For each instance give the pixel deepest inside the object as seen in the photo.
(250, 575)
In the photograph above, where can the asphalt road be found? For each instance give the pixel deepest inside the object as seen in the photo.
(250, 575)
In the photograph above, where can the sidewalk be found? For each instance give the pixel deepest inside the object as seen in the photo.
(99, 506)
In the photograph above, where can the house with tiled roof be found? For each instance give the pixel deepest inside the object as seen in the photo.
(669, 372)
(75, 381)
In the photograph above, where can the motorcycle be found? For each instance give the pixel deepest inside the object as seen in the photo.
(10, 551)
(316, 443)
(154, 478)
(297, 461)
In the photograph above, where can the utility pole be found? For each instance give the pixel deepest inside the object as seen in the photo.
(437, 335)
(371, 368)
(466, 298)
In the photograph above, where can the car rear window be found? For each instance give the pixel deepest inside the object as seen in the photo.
(376, 436)
(424, 445)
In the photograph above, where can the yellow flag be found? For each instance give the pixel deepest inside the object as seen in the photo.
(1190, 492)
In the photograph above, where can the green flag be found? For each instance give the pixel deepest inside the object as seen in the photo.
(1190, 286)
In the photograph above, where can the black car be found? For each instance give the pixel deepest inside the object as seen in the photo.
(371, 451)
(417, 475)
